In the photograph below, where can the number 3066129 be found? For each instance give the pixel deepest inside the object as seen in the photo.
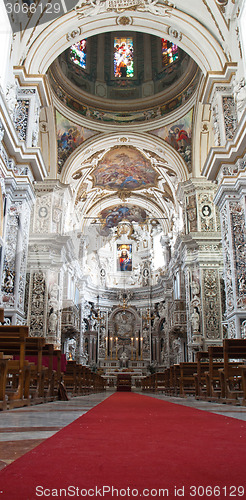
(217, 491)
(32, 8)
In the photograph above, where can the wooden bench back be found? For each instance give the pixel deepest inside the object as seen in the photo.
(234, 348)
(187, 368)
(1, 315)
(201, 355)
(24, 330)
(14, 339)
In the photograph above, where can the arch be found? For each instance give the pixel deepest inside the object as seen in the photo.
(195, 39)
(120, 309)
(151, 206)
(107, 141)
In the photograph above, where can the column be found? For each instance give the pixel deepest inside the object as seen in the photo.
(100, 85)
(50, 257)
(18, 203)
(201, 259)
(148, 84)
(231, 199)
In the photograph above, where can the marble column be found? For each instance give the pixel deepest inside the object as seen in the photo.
(202, 264)
(231, 199)
(18, 203)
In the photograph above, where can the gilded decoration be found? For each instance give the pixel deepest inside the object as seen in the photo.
(124, 168)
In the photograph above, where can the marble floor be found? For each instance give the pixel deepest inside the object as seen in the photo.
(22, 429)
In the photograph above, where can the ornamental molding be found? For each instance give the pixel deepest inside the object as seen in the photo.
(124, 20)
(92, 8)
(76, 32)
(229, 153)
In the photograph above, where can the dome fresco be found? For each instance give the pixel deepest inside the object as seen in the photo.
(116, 81)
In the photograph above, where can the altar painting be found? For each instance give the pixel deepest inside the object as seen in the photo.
(124, 168)
(124, 257)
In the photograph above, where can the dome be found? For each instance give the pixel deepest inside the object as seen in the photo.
(124, 72)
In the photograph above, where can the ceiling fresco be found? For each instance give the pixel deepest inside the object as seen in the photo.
(113, 215)
(179, 135)
(124, 168)
(69, 137)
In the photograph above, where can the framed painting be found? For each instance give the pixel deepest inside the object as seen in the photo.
(124, 257)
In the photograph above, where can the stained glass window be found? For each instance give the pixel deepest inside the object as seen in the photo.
(78, 53)
(123, 57)
(124, 257)
(169, 52)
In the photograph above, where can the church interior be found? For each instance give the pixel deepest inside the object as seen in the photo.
(122, 201)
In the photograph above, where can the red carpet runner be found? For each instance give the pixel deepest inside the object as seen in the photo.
(134, 446)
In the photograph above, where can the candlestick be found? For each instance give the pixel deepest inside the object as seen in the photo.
(111, 347)
(141, 347)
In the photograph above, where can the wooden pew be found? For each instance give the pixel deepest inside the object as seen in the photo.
(71, 378)
(3, 378)
(124, 382)
(1, 315)
(40, 377)
(18, 371)
(34, 348)
(231, 373)
(160, 382)
(243, 374)
(87, 380)
(213, 379)
(144, 383)
(187, 379)
(172, 381)
(99, 383)
(50, 381)
(80, 380)
(45, 379)
(200, 377)
(175, 375)
(166, 380)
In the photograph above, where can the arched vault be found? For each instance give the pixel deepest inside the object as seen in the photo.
(158, 199)
(43, 47)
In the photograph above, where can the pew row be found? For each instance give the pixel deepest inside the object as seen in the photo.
(218, 374)
(31, 371)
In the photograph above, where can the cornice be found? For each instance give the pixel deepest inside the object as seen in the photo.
(16, 148)
(230, 153)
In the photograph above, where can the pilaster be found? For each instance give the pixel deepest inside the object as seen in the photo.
(201, 258)
(19, 199)
(231, 199)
